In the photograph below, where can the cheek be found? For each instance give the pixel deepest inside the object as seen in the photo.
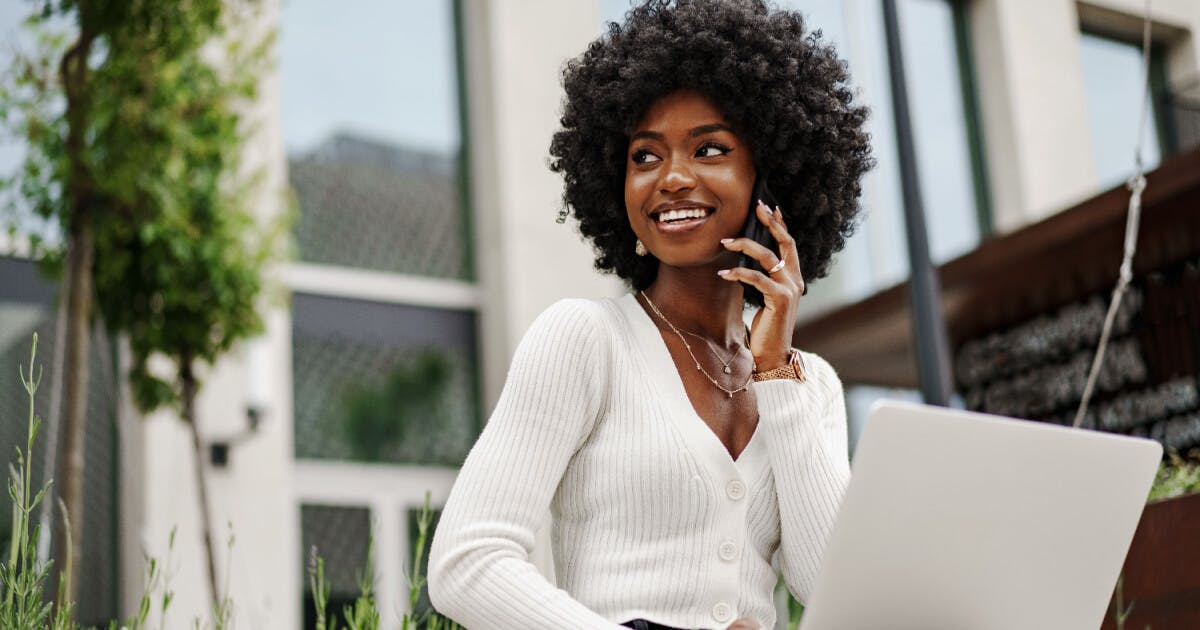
(638, 187)
(734, 186)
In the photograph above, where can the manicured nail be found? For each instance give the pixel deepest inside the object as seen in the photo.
(723, 273)
(778, 209)
(726, 241)
(765, 207)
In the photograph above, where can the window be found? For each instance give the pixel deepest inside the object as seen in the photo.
(1112, 77)
(384, 373)
(377, 382)
(340, 536)
(384, 306)
(371, 123)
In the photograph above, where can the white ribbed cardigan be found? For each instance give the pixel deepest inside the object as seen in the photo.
(651, 516)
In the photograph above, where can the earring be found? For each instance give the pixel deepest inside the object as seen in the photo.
(639, 249)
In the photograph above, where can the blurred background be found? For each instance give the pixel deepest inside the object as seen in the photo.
(410, 138)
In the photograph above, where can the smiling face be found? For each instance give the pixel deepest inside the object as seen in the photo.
(688, 180)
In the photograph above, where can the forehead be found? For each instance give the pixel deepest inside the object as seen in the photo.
(682, 109)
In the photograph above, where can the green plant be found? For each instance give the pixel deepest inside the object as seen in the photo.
(363, 614)
(156, 579)
(23, 605)
(1177, 475)
(23, 577)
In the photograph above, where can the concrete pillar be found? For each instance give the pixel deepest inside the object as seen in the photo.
(515, 50)
(1034, 111)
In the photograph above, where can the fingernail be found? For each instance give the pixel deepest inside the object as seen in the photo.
(766, 207)
(723, 273)
(726, 241)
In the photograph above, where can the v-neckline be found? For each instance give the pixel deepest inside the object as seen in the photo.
(664, 375)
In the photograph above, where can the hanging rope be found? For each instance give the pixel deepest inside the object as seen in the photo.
(1136, 185)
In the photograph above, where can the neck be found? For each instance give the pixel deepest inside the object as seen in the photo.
(696, 299)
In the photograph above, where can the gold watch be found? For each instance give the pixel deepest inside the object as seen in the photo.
(792, 370)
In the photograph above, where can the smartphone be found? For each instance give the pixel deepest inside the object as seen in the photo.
(754, 228)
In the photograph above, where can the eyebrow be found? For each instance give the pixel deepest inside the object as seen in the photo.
(695, 131)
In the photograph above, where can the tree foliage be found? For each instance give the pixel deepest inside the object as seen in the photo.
(179, 253)
(134, 120)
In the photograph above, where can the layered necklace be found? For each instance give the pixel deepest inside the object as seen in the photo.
(686, 345)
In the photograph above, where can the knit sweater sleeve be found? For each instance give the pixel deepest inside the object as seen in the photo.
(479, 568)
(806, 426)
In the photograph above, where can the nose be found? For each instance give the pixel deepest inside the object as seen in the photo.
(677, 177)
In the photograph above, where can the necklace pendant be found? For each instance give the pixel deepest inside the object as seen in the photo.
(727, 370)
(697, 366)
(731, 394)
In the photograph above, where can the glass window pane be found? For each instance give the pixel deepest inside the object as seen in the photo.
(931, 68)
(371, 124)
(383, 382)
(1112, 76)
(340, 536)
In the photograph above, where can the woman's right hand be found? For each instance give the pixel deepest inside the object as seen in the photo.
(745, 623)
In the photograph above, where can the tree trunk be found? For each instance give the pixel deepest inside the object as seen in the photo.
(189, 416)
(80, 254)
(80, 257)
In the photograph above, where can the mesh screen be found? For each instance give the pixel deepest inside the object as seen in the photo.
(372, 205)
(382, 382)
(340, 536)
(27, 304)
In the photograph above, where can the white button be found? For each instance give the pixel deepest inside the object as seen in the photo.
(728, 550)
(735, 489)
(722, 612)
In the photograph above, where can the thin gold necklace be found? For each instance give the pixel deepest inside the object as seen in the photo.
(713, 348)
(729, 392)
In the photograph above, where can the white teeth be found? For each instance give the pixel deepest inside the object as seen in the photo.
(689, 213)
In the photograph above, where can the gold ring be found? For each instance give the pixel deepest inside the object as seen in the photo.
(777, 267)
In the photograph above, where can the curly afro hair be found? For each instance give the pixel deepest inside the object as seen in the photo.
(783, 90)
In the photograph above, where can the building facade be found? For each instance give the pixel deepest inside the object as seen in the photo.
(413, 138)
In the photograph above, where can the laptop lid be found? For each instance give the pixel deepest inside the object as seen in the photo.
(964, 521)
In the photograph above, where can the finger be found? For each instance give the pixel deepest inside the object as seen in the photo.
(753, 249)
(756, 279)
(774, 222)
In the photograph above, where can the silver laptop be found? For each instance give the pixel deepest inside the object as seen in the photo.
(963, 521)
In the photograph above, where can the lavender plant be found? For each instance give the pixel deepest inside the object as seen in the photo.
(23, 578)
(363, 614)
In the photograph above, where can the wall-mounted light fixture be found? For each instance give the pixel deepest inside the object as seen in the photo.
(258, 397)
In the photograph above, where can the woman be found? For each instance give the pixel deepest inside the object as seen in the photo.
(686, 460)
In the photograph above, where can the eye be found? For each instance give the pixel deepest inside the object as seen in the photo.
(643, 156)
(712, 149)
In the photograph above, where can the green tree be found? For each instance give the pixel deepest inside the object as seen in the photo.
(134, 123)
